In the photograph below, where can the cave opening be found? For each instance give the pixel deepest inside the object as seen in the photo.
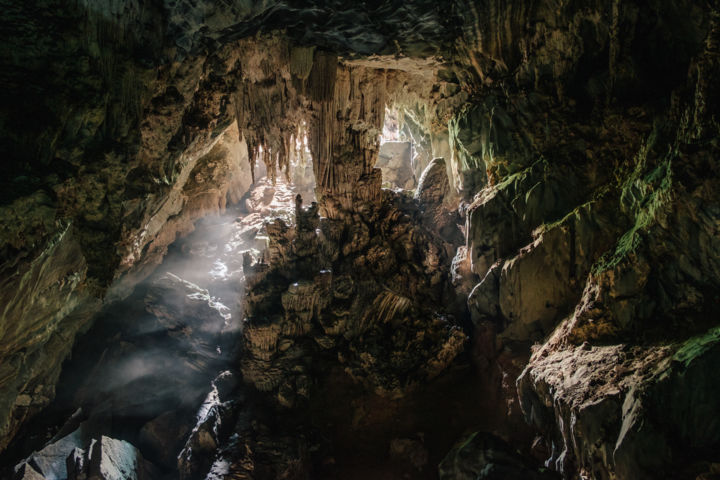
(314, 240)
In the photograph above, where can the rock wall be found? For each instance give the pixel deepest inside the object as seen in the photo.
(580, 145)
(104, 180)
(580, 237)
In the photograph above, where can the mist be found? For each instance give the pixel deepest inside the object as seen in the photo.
(155, 354)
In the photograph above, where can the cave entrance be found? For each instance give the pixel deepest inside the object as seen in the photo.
(301, 175)
(405, 149)
(396, 157)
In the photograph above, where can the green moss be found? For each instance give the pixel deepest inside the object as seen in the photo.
(697, 346)
(577, 212)
(467, 156)
(644, 194)
(517, 180)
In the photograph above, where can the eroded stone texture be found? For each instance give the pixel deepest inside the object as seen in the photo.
(627, 421)
(132, 103)
(42, 312)
(326, 301)
(592, 276)
(585, 150)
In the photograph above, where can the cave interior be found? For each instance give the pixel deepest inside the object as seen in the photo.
(320, 239)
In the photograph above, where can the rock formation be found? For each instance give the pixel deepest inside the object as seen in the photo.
(554, 236)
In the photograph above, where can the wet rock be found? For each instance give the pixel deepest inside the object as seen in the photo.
(233, 439)
(485, 456)
(214, 421)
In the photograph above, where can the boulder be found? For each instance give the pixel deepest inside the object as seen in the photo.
(110, 459)
(79, 456)
(433, 185)
(214, 421)
(623, 411)
(26, 472)
(50, 461)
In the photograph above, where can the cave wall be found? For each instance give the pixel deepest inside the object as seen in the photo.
(582, 140)
(596, 159)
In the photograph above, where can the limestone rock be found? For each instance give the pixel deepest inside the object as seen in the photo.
(43, 303)
(81, 455)
(124, 122)
(395, 162)
(179, 304)
(50, 461)
(391, 346)
(141, 131)
(213, 423)
(111, 459)
(26, 472)
(484, 299)
(433, 185)
(627, 422)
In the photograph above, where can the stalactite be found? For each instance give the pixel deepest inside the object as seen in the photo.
(288, 147)
(337, 109)
(322, 77)
(301, 61)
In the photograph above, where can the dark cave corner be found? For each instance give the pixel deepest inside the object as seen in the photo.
(391, 240)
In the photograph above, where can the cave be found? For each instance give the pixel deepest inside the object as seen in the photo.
(310, 239)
